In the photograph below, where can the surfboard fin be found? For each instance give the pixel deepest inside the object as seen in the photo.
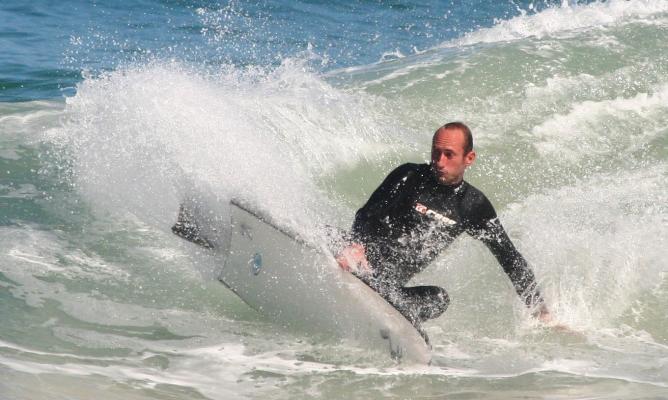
(188, 229)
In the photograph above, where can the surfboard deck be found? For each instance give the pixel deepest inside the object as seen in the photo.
(297, 285)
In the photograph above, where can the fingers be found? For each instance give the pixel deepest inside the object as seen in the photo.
(353, 259)
(343, 262)
(545, 317)
(356, 251)
(543, 314)
(363, 268)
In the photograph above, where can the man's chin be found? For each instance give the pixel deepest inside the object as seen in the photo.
(446, 180)
(443, 180)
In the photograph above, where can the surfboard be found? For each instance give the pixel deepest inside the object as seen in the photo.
(298, 285)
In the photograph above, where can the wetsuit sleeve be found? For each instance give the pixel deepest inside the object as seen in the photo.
(490, 231)
(367, 218)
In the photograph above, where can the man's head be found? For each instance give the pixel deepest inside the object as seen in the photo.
(451, 152)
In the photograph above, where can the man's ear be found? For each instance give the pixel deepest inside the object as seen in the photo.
(469, 158)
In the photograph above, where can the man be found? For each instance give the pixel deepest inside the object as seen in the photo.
(417, 212)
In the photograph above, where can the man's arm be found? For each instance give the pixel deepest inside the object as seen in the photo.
(513, 263)
(516, 267)
(381, 200)
(353, 256)
(485, 226)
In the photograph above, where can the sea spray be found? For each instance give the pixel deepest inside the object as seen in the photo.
(142, 136)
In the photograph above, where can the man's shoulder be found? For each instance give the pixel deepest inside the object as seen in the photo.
(475, 201)
(409, 169)
(413, 167)
(472, 193)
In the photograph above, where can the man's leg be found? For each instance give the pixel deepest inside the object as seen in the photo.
(422, 303)
(417, 303)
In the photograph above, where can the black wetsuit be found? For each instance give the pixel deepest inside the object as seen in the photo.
(410, 219)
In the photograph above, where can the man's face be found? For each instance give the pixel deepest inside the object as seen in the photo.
(448, 160)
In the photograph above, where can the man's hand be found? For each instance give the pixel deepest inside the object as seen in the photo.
(543, 315)
(353, 259)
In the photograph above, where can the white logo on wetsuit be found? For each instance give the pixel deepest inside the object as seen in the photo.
(424, 210)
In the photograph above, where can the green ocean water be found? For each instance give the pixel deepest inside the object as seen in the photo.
(570, 118)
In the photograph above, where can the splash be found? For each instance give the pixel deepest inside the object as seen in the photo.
(598, 249)
(143, 136)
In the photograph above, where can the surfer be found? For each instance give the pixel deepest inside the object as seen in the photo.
(417, 212)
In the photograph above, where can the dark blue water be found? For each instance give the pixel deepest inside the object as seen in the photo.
(46, 45)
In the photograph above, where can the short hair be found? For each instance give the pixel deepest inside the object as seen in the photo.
(468, 137)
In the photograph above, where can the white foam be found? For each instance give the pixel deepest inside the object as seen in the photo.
(568, 19)
(142, 136)
(38, 253)
(583, 131)
(391, 55)
(598, 248)
(27, 120)
(221, 371)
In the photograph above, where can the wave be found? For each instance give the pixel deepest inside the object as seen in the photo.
(568, 20)
(585, 130)
(24, 120)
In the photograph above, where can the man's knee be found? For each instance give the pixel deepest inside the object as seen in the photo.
(441, 301)
(428, 301)
(443, 298)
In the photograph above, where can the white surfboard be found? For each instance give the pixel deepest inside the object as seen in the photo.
(300, 286)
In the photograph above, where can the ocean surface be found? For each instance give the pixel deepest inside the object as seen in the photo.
(111, 112)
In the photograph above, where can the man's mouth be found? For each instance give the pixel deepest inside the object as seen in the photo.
(439, 173)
